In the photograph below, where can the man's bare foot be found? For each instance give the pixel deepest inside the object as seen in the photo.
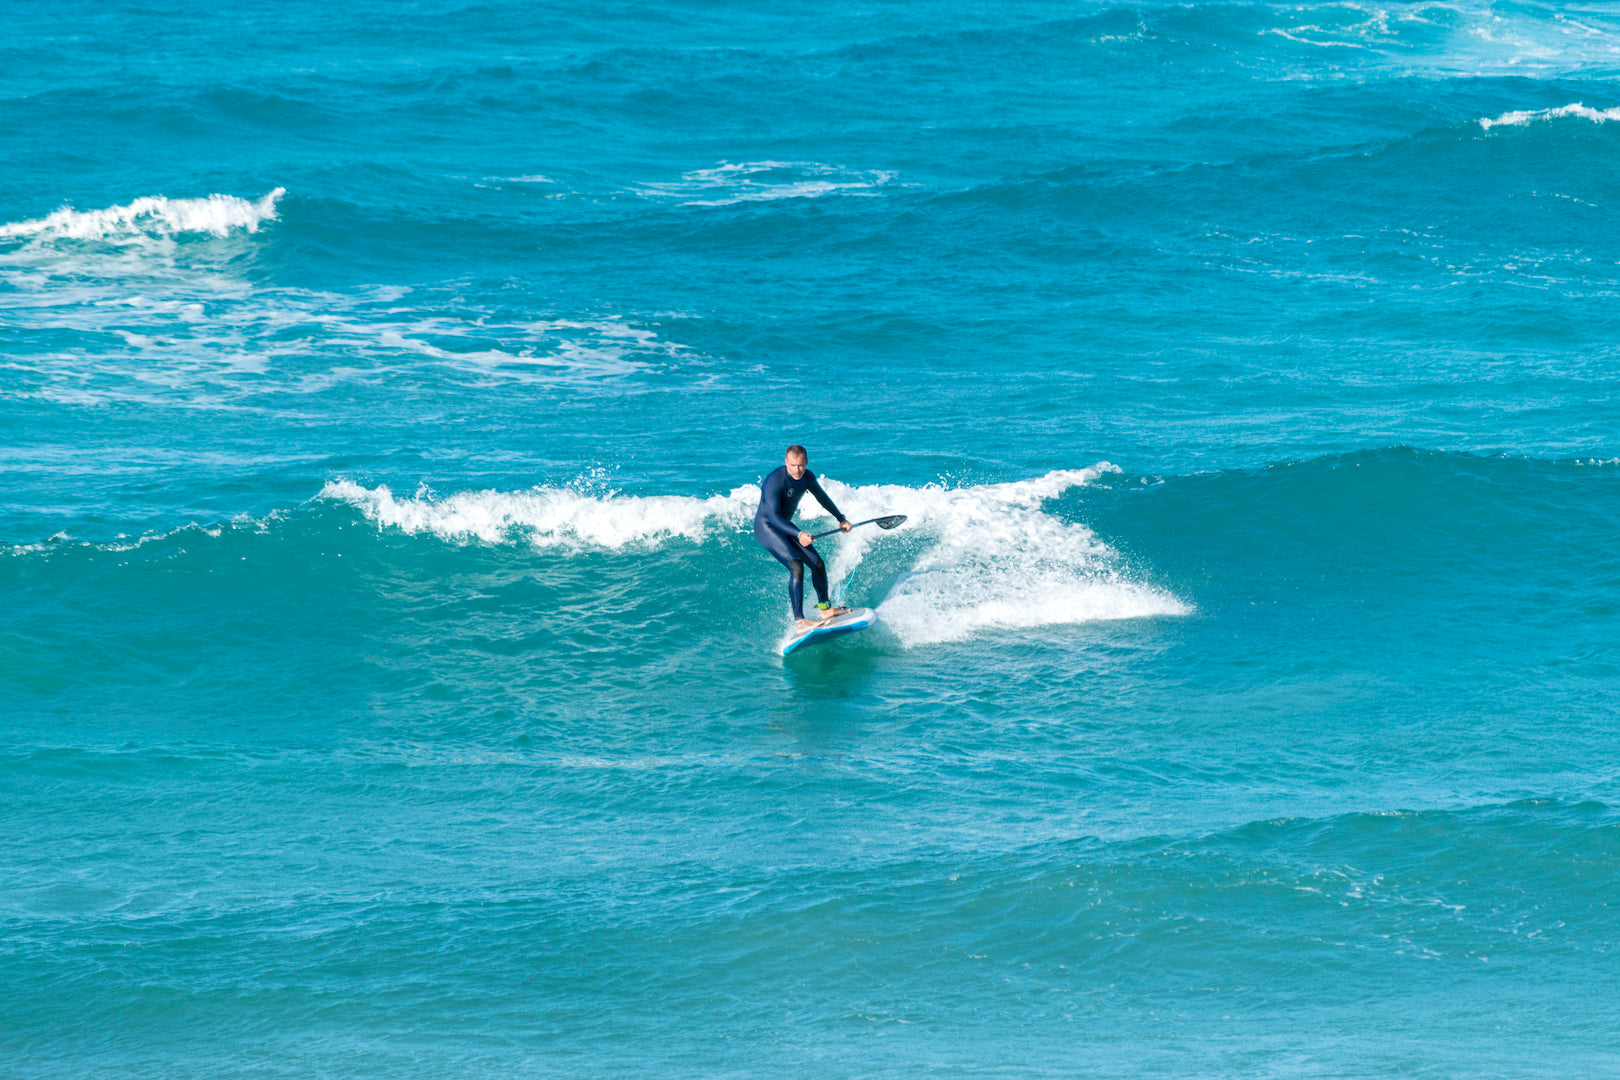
(833, 612)
(804, 626)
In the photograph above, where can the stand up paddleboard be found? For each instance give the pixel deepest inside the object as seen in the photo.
(849, 622)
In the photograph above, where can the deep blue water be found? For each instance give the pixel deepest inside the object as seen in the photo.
(388, 674)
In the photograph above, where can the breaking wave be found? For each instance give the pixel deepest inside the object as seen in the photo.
(968, 560)
(154, 215)
(1531, 116)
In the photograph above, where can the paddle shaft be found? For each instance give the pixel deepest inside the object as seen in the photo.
(829, 532)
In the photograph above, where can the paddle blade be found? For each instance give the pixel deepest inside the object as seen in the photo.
(891, 521)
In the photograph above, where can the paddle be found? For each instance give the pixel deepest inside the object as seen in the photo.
(883, 523)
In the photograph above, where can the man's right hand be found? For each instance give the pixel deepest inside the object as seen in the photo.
(805, 539)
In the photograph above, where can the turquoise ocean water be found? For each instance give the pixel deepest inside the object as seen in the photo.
(388, 675)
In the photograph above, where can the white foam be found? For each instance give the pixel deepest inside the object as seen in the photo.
(173, 321)
(1531, 116)
(1341, 25)
(592, 348)
(757, 181)
(133, 271)
(191, 335)
(971, 560)
(550, 516)
(155, 215)
(1465, 38)
(995, 560)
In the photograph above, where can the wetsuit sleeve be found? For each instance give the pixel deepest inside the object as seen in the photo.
(770, 505)
(822, 498)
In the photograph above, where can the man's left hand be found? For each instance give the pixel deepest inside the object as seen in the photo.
(846, 526)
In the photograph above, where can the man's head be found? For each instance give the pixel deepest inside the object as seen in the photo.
(797, 460)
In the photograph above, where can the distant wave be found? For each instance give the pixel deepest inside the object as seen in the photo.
(758, 181)
(1309, 41)
(154, 215)
(1530, 116)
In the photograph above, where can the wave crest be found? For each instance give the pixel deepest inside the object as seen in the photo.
(154, 215)
(1530, 116)
(548, 516)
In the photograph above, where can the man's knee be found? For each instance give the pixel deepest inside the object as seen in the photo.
(796, 568)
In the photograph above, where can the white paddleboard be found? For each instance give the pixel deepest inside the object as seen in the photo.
(849, 622)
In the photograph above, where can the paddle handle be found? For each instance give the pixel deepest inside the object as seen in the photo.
(829, 532)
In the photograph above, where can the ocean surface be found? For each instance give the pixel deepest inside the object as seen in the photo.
(389, 678)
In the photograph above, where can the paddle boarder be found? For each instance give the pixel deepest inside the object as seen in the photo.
(773, 527)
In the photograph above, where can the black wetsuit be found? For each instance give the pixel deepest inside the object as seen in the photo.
(773, 526)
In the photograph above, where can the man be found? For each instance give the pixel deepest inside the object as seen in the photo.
(773, 526)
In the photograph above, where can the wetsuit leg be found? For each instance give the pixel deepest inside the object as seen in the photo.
(818, 576)
(794, 556)
(796, 587)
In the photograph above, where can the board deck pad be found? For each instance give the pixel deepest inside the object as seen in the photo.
(849, 622)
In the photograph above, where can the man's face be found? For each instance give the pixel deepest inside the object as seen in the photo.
(796, 466)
